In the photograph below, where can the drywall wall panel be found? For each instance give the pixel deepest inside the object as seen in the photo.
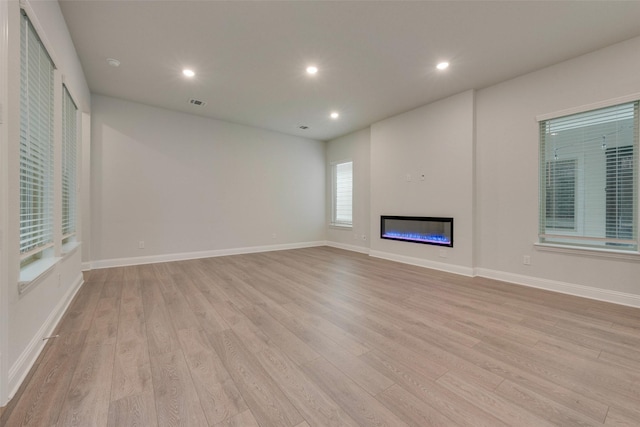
(422, 164)
(172, 183)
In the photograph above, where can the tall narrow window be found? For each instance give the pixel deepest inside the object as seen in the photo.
(36, 143)
(69, 162)
(589, 178)
(342, 194)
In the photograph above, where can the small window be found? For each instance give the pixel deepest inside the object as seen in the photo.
(342, 194)
(589, 178)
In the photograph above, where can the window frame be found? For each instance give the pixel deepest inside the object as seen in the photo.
(30, 253)
(579, 241)
(334, 220)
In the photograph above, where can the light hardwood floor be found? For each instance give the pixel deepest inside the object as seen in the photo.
(325, 337)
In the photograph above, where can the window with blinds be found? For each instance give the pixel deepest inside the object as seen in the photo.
(589, 178)
(342, 194)
(36, 142)
(69, 162)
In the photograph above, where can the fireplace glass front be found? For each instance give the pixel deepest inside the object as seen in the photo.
(418, 229)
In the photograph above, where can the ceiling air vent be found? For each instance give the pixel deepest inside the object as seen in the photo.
(197, 102)
(303, 127)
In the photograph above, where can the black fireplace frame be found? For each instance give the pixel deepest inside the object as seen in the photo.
(416, 218)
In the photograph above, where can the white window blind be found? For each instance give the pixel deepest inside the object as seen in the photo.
(36, 142)
(560, 194)
(69, 162)
(589, 178)
(342, 197)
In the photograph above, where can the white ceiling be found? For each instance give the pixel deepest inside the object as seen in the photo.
(376, 59)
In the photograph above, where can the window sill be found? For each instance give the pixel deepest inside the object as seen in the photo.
(70, 248)
(35, 272)
(341, 226)
(593, 252)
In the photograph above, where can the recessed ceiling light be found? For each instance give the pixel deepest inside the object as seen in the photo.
(113, 62)
(312, 69)
(335, 115)
(188, 73)
(442, 66)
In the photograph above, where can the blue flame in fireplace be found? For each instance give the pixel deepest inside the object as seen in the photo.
(418, 237)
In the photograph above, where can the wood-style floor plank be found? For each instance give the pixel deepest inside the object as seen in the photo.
(490, 402)
(326, 337)
(137, 410)
(244, 419)
(411, 409)
(48, 386)
(314, 404)
(161, 335)
(426, 389)
(176, 399)
(586, 378)
(217, 391)
(133, 411)
(263, 396)
(208, 318)
(132, 368)
(541, 406)
(622, 417)
(296, 349)
(355, 401)
(87, 401)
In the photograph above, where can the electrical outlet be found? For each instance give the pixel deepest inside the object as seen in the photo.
(364, 237)
(526, 260)
(141, 244)
(442, 253)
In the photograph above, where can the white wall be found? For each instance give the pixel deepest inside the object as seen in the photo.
(435, 141)
(34, 314)
(355, 147)
(507, 171)
(188, 185)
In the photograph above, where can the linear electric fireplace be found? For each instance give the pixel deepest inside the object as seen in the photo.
(418, 229)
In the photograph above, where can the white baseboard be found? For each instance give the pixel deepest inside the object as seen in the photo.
(153, 259)
(19, 370)
(449, 268)
(599, 294)
(352, 248)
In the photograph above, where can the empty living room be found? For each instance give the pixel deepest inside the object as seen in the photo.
(319, 213)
